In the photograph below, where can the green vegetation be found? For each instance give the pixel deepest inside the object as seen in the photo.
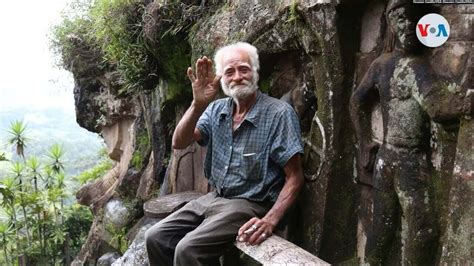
(17, 130)
(121, 35)
(45, 128)
(293, 12)
(142, 148)
(97, 172)
(116, 26)
(36, 226)
(111, 29)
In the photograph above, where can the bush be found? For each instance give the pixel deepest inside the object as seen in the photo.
(97, 172)
(112, 27)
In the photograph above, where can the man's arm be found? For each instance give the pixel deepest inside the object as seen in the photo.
(362, 101)
(293, 184)
(186, 130)
(205, 87)
(446, 105)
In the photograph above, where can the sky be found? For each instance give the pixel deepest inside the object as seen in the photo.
(28, 75)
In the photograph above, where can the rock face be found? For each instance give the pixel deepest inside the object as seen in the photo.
(313, 54)
(136, 252)
(108, 258)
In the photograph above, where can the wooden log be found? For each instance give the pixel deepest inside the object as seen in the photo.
(163, 206)
(279, 251)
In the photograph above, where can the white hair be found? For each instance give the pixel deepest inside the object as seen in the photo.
(248, 48)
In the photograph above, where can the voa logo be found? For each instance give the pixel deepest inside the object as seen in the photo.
(432, 30)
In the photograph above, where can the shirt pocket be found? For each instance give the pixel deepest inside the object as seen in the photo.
(252, 165)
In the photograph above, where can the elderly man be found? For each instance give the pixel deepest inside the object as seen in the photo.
(253, 162)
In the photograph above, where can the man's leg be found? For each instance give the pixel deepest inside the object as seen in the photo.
(420, 228)
(217, 232)
(386, 210)
(162, 238)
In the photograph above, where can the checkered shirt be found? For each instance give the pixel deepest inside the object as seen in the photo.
(249, 162)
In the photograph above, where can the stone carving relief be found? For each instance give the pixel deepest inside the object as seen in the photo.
(405, 223)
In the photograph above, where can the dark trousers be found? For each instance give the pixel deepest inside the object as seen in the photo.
(201, 231)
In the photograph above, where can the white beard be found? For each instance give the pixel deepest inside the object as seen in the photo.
(239, 91)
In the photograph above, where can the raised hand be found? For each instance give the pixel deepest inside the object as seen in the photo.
(204, 82)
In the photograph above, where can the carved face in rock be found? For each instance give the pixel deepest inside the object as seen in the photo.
(402, 23)
(238, 79)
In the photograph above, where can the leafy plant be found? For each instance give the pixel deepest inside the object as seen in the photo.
(17, 132)
(98, 171)
(56, 153)
(33, 164)
(17, 170)
(6, 235)
(113, 28)
(39, 234)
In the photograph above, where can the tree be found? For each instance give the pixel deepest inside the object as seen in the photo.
(34, 165)
(56, 153)
(45, 219)
(17, 138)
(38, 204)
(17, 170)
(48, 177)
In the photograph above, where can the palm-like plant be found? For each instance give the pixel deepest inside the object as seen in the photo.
(54, 195)
(6, 235)
(8, 190)
(48, 177)
(56, 153)
(61, 185)
(17, 137)
(39, 203)
(34, 165)
(60, 179)
(17, 170)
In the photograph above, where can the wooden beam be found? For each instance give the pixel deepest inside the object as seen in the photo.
(277, 250)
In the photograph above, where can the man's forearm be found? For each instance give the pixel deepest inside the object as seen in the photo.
(184, 132)
(359, 116)
(287, 197)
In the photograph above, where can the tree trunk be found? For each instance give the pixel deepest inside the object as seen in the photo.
(40, 234)
(67, 251)
(24, 210)
(26, 223)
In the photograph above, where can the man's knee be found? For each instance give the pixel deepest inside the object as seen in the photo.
(184, 247)
(152, 239)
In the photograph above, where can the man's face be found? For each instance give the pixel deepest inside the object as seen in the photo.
(238, 77)
(402, 24)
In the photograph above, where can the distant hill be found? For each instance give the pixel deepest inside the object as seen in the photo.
(49, 126)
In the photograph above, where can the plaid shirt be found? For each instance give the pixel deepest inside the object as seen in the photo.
(249, 162)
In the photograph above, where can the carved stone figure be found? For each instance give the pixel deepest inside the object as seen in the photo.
(405, 219)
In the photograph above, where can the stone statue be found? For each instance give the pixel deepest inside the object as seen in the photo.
(405, 219)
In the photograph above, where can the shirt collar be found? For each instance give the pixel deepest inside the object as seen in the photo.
(252, 115)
